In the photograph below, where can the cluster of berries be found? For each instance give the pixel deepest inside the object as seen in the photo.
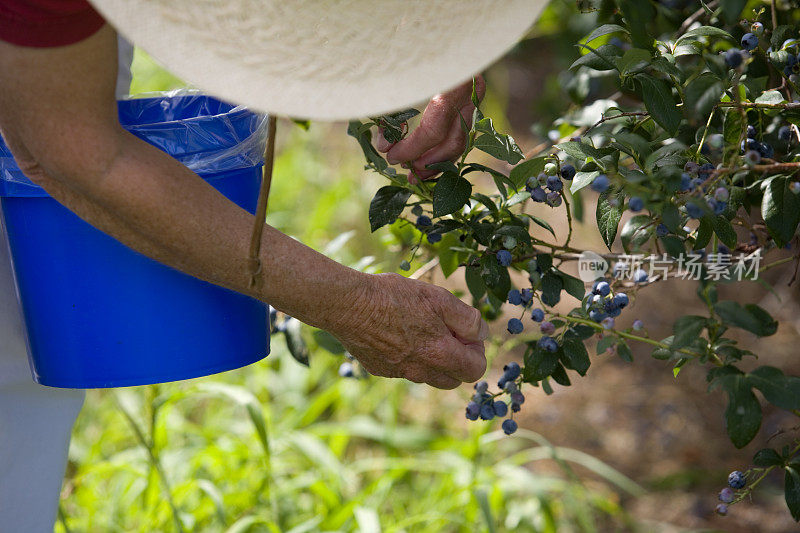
(639, 275)
(515, 326)
(736, 481)
(425, 225)
(754, 150)
(549, 180)
(602, 306)
(484, 406)
(693, 180)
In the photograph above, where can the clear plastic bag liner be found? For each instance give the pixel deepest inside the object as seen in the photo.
(207, 135)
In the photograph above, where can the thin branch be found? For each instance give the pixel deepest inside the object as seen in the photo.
(694, 17)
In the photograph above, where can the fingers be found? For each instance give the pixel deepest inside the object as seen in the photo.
(464, 362)
(381, 144)
(434, 378)
(449, 149)
(432, 130)
(463, 321)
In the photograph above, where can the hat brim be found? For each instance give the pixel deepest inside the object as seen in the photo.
(323, 59)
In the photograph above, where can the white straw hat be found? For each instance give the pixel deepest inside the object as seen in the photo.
(323, 59)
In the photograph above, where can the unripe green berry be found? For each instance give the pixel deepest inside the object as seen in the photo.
(551, 169)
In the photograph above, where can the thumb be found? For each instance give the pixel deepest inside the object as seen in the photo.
(465, 322)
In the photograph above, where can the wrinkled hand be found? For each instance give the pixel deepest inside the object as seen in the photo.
(414, 330)
(439, 136)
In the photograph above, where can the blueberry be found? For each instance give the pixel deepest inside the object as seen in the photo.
(686, 182)
(723, 250)
(697, 183)
(473, 411)
(547, 328)
(619, 269)
(512, 371)
(537, 315)
(721, 194)
(749, 41)
(500, 408)
(757, 28)
(785, 133)
(538, 194)
(752, 158)
(751, 131)
(509, 426)
(736, 480)
(515, 326)
(597, 315)
(554, 183)
(423, 221)
(638, 325)
(608, 323)
(635, 204)
(531, 183)
(416, 210)
(640, 276)
(733, 58)
(548, 344)
(694, 210)
(706, 170)
(600, 183)
(487, 411)
(716, 141)
(691, 167)
(481, 387)
(721, 509)
(719, 207)
(504, 258)
(514, 297)
(662, 230)
(749, 144)
(433, 238)
(527, 296)
(346, 370)
(614, 313)
(795, 187)
(542, 177)
(621, 299)
(766, 150)
(515, 407)
(510, 387)
(518, 398)
(568, 172)
(602, 288)
(726, 495)
(553, 199)
(551, 169)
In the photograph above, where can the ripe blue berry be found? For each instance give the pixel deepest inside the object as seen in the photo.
(504, 258)
(346, 370)
(721, 509)
(510, 387)
(537, 315)
(553, 199)
(512, 370)
(500, 408)
(600, 183)
(568, 172)
(548, 344)
(473, 411)
(751, 131)
(509, 426)
(602, 288)
(423, 221)
(514, 297)
(515, 407)
(608, 323)
(736, 480)
(597, 315)
(726, 495)
(733, 58)
(433, 238)
(721, 194)
(621, 299)
(749, 41)
(527, 296)
(518, 398)
(547, 328)
(640, 276)
(538, 194)
(481, 387)
(785, 133)
(638, 325)
(718, 207)
(635, 204)
(662, 230)
(694, 210)
(515, 326)
(766, 150)
(554, 183)
(487, 411)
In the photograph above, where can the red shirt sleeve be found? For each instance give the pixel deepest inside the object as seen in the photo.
(46, 23)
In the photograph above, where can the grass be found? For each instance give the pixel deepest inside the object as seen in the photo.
(278, 447)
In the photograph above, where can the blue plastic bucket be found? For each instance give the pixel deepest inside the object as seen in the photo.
(99, 314)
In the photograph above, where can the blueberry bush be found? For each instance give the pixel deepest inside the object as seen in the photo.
(694, 129)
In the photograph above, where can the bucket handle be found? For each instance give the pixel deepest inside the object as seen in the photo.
(254, 263)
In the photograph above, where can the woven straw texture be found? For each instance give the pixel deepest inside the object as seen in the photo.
(323, 59)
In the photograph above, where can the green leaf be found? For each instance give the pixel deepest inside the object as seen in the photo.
(605, 29)
(624, 352)
(386, 205)
(732, 10)
(538, 364)
(791, 489)
(750, 317)
(724, 230)
(450, 194)
(551, 289)
(767, 457)
(575, 356)
(673, 245)
(687, 329)
(328, 342)
(743, 415)
(609, 215)
(531, 167)
(636, 232)
(582, 179)
(771, 97)
(600, 58)
(475, 284)
(500, 146)
(560, 376)
(703, 93)
(733, 127)
(778, 389)
(780, 209)
(496, 277)
(634, 59)
(542, 223)
(638, 16)
(581, 150)
(704, 232)
(362, 134)
(605, 343)
(658, 100)
(573, 286)
(705, 31)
